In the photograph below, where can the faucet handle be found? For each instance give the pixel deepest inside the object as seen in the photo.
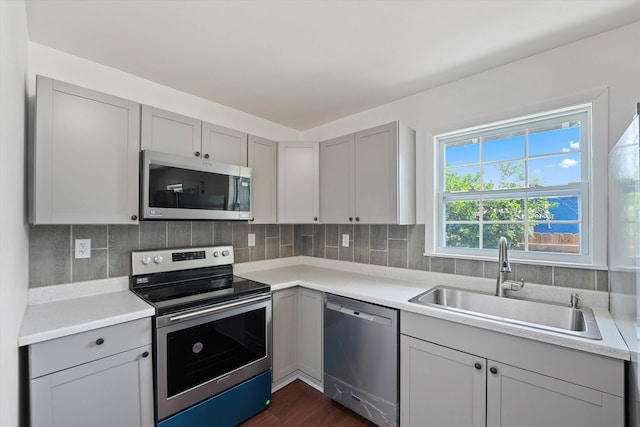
(513, 285)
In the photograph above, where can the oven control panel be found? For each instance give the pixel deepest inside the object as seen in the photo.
(163, 260)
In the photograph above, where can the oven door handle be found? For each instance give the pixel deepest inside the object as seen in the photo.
(219, 308)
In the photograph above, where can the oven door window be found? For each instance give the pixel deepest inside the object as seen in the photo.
(210, 350)
(171, 187)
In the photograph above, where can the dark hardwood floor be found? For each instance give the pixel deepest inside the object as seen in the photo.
(299, 404)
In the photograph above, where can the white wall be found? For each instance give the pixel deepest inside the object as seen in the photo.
(79, 71)
(13, 229)
(606, 65)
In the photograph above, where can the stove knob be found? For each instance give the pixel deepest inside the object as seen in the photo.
(216, 254)
(225, 253)
(146, 260)
(158, 259)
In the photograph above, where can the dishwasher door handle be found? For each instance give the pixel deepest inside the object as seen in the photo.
(358, 314)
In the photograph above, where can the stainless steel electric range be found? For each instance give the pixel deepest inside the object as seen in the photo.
(212, 336)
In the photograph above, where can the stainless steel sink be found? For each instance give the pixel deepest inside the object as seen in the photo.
(548, 316)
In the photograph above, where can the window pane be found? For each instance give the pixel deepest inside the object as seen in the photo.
(503, 148)
(551, 141)
(466, 210)
(503, 175)
(503, 210)
(460, 154)
(554, 170)
(513, 232)
(548, 209)
(462, 179)
(462, 235)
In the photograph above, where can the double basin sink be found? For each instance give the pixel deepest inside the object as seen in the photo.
(579, 322)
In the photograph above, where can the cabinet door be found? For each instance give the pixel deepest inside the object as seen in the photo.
(519, 398)
(263, 159)
(223, 145)
(285, 335)
(85, 157)
(171, 133)
(310, 332)
(113, 391)
(298, 182)
(337, 181)
(440, 386)
(376, 175)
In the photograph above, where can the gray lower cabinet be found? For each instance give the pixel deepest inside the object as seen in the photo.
(98, 378)
(84, 158)
(457, 375)
(297, 334)
(440, 386)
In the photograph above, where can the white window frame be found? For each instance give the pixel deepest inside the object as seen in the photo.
(584, 188)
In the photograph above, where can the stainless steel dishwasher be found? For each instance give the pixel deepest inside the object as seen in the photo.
(361, 358)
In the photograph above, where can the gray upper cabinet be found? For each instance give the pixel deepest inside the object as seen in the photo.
(84, 157)
(337, 180)
(263, 159)
(369, 177)
(171, 133)
(174, 133)
(220, 144)
(298, 195)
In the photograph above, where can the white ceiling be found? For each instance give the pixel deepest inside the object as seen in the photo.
(307, 62)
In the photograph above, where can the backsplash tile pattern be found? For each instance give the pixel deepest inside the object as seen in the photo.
(52, 261)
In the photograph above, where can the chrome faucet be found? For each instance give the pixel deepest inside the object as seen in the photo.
(503, 265)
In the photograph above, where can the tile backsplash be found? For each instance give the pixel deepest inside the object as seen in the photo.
(52, 261)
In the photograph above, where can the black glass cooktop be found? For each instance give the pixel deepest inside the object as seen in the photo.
(173, 292)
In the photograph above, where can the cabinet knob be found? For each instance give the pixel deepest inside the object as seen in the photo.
(100, 341)
(134, 217)
(350, 218)
(357, 218)
(252, 219)
(197, 153)
(145, 354)
(493, 370)
(477, 365)
(206, 156)
(315, 218)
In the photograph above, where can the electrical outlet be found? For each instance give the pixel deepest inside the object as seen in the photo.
(345, 240)
(83, 248)
(252, 239)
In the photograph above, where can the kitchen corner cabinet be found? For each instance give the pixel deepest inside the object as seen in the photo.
(462, 383)
(84, 156)
(98, 378)
(263, 159)
(297, 334)
(174, 133)
(298, 182)
(369, 177)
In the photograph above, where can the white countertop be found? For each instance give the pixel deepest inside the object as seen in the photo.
(62, 310)
(394, 287)
(54, 312)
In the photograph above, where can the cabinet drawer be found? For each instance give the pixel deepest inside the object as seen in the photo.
(65, 352)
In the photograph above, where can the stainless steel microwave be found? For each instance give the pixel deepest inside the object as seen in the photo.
(176, 187)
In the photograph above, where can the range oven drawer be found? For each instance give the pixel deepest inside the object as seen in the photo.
(87, 346)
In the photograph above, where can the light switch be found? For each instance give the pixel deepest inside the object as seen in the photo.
(345, 240)
(252, 239)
